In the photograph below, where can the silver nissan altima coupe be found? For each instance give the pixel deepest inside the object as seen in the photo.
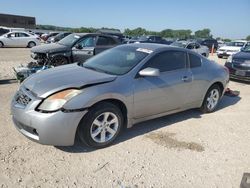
(122, 86)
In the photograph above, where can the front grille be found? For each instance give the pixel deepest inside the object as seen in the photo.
(22, 98)
(238, 66)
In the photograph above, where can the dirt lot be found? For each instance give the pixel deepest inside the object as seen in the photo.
(188, 149)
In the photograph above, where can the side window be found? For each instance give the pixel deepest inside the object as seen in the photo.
(195, 61)
(168, 61)
(21, 35)
(190, 46)
(157, 39)
(102, 41)
(11, 35)
(111, 41)
(87, 42)
(197, 46)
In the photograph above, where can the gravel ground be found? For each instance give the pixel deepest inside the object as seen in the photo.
(188, 149)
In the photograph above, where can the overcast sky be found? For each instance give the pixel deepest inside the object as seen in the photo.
(225, 18)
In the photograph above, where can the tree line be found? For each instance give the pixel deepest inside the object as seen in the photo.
(166, 33)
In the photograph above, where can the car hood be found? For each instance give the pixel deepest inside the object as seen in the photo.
(242, 55)
(49, 81)
(49, 48)
(234, 48)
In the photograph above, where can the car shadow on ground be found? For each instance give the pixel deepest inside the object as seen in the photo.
(8, 81)
(151, 125)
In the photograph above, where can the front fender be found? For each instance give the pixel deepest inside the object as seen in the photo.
(95, 94)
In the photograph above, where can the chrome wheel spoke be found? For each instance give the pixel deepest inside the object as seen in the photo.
(103, 136)
(112, 121)
(97, 122)
(106, 116)
(111, 131)
(96, 132)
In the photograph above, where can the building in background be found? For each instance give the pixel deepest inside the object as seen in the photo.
(16, 21)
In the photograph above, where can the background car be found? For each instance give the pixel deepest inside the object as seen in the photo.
(19, 39)
(45, 37)
(194, 46)
(58, 37)
(73, 48)
(239, 65)
(231, 48)
(122, 86)
(209, 42)
(149, 39)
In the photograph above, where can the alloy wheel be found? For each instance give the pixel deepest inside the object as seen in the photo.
(104, 127)
(213, 99)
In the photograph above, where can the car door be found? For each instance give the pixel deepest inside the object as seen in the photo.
(103, 43)
(199, 83)
(22, 39)
(84, 49)
(167, 92)
(10, 40)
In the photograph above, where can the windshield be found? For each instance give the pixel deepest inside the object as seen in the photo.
(179, 44)
(246, 49)
(69, 40)
(117, 61)
(239, 44)
(143, 38)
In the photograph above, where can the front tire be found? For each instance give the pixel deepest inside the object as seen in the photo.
(211, 99)
(1, 44)
(101, 125)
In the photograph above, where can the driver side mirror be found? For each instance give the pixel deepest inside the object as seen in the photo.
(152, 72)
(78, 46)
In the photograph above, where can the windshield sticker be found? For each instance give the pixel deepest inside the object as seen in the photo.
(144, 50)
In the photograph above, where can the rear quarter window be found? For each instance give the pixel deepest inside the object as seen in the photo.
(195, 61)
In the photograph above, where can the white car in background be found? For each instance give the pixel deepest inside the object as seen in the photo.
(231, 48)
(19, 39)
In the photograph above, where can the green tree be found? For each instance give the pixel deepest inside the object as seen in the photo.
(248, 37)
(204, 33)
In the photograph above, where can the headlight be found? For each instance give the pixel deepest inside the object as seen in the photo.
(230, 59)
(57, 100)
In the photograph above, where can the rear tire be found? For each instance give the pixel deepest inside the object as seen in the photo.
(31, 44)
(101, 125)
(1, 44)
(211, 99)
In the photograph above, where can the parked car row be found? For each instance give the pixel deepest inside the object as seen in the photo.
(194, 46)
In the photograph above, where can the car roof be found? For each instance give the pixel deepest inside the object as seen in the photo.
(154, 46)
(92, 34)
